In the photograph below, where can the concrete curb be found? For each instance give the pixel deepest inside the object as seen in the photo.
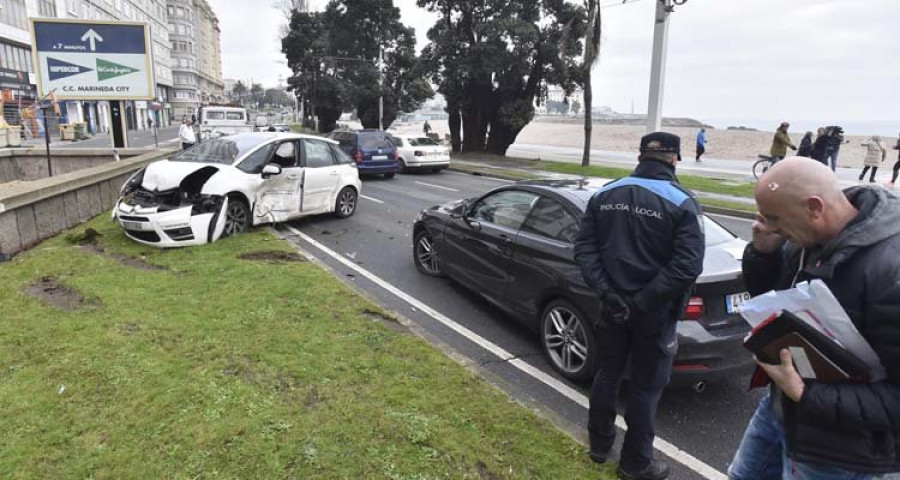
(706, 208)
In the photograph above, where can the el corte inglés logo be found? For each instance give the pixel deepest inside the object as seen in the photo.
(107, 70)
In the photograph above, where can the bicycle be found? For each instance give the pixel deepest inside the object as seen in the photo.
(764, 163)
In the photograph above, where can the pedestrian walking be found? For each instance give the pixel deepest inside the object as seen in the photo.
(805, 149)
(701, 143)
(640, 247)
(818, 148)
(807, 229)
(835, 136)
(876, 154)
(896, 165)
(186, 134)
(781, 142)
(426, 128)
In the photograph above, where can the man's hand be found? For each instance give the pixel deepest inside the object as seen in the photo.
(785, 376)
(765, 238)
(615, 309)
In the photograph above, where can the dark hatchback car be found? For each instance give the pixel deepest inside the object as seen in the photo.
(372, 150)
(515, 247)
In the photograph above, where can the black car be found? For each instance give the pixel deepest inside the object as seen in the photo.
(515, 247)
(373, 151)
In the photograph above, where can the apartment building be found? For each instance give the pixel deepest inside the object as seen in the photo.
(196, 56)
(17, 78)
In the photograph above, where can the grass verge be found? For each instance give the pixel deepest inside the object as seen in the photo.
(194, 363)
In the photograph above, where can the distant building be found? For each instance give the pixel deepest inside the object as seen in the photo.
(556, 94)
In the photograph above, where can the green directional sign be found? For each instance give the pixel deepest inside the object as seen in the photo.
(107, 70)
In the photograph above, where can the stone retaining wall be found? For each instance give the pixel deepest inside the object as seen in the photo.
(33, 211)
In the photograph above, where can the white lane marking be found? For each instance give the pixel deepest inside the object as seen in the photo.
(437, 186)
(486, 177)
(669, 449)
(371, 199)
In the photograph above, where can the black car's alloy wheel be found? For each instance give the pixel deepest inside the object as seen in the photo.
(568, 341)
(237, 217)
(426, 258)
(346, 203)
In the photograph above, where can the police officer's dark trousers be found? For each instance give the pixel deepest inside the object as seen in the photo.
(651, 351)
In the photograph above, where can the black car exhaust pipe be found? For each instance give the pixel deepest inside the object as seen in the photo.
(700, 386)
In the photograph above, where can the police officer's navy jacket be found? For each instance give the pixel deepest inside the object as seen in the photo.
(852, 426)
(642, 236)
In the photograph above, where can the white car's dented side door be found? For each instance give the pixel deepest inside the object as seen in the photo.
(323, 176)
(280, 197)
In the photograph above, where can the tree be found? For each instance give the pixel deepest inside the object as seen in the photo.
(492, 59)
(239, 91)
(314, 83)
(342, 44)
(591, 53)
(257, 93)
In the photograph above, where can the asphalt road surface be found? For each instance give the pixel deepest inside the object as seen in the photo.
(378, 239)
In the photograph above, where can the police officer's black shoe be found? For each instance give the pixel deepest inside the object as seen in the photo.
(657, 470)
(599, 457)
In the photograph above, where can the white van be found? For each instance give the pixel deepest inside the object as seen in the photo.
(221, 121)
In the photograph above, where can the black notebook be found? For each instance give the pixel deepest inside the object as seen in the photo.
(816, 356)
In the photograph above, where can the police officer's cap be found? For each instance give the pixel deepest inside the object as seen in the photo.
(661, 142)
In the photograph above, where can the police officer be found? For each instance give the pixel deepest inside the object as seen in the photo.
(640, 246)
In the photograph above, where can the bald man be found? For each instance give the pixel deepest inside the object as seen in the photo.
(808, 228)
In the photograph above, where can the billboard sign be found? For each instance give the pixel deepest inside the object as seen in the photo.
(92, 59)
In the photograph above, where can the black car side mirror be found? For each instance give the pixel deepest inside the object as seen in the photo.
(270, 170)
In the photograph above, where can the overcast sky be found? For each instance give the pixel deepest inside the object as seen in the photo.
(729, 61)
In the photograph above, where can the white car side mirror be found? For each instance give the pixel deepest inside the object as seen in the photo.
(270, 170)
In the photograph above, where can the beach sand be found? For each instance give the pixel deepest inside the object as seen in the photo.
(724, 144)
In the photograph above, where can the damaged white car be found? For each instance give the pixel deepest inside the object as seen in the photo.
(226, 185)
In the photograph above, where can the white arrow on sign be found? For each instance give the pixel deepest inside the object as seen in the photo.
(93, 37)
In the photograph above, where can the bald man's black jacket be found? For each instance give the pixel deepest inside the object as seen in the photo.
(851, 426)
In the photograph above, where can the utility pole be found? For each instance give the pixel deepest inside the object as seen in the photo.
(381, 88)
(658, 69)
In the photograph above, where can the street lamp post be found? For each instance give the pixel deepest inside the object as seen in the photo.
(658, 68)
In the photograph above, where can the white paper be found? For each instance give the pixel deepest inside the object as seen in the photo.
(817, 306)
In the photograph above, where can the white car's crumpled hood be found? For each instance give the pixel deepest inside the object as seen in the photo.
(165, 175)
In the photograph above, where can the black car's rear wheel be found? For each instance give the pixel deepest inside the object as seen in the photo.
(568, 341)
(237, 217)
(426, 258)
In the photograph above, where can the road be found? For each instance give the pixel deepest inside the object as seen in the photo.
(373, 250)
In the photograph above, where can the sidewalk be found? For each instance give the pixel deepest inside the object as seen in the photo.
(709, 166)
(743, 207)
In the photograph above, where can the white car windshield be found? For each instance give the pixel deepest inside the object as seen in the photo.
(715, 234)
(219, 150)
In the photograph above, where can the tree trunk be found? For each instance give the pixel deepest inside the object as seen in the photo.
(454, 122)
(588, 120)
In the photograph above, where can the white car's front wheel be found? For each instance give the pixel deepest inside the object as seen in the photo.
(237, 217)
(346, 202)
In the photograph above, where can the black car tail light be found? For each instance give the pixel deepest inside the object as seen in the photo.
(694, 309)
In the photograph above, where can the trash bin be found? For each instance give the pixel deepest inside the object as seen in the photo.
(14, 136)
(67, 132)
(80, 131)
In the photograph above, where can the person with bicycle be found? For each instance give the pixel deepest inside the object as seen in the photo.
(781, 142)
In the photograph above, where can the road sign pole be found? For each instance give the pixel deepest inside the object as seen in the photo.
(47, 140)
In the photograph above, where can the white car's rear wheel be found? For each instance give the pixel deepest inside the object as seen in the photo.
(346, 202)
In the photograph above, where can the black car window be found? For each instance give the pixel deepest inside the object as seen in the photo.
(255, 162)
(550, 219)
(285, 155)
(317, 154)
(507, 208)
(340, 157)
(372, 141)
